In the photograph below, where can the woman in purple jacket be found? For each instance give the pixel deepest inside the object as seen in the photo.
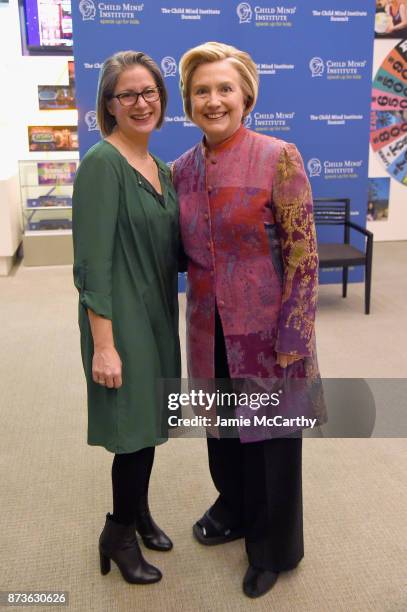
(248, 232)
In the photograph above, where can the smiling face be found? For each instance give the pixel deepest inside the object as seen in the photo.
(217, 100)
(141, 118)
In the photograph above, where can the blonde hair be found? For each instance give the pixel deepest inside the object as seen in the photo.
(109, 75)
(215, 52)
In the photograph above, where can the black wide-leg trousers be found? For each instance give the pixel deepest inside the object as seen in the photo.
(260, 488)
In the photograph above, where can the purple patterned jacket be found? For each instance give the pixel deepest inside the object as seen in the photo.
(248, 232)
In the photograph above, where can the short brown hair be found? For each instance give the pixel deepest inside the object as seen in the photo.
(215, 52)
(109, 74)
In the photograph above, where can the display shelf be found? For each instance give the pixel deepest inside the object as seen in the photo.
(45, 187)
(46, 206)
(52, 207)
(49, 233)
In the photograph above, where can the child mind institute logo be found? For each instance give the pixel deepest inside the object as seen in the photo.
(91, 121)
(247, 121)
(314, 167)
(87, 9)
(169, 66)
(317, 67)
(244, 12)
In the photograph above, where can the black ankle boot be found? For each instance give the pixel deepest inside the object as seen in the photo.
(152, 536)
(119, 543)
(257, 581)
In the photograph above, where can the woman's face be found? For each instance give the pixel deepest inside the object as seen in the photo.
(217, 100)
(142, 117)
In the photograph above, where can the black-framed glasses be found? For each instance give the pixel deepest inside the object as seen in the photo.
(130, 98)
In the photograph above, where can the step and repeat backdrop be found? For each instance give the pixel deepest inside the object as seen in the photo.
(315, 63)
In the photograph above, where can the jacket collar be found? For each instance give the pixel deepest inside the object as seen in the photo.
(225, 145)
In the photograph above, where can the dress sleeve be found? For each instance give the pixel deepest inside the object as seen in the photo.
(294, 214)
(94, 220)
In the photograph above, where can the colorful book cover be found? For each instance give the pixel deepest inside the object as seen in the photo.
(56, 173)
(53, 138)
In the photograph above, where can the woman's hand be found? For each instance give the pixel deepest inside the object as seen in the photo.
(107, 367)
(284, 360)
(106, 363)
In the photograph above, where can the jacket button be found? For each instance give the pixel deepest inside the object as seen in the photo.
(208, 246)
(214, 161)
(221, 303)
(206, 216)
(210, 188)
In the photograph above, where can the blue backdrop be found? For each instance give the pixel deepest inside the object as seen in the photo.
(315, 64)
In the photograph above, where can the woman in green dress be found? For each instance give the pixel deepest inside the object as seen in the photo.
(125, 232)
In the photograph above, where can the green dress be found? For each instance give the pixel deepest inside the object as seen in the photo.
(125, 268)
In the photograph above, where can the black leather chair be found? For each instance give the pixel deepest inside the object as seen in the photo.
(331, 211)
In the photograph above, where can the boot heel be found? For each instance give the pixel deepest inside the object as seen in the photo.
(104, 564)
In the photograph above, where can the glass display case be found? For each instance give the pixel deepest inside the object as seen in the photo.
(46, 198)
(46, 194)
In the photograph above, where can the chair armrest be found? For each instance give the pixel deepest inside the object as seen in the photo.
(360, 229)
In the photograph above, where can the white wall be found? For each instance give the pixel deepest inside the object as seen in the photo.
(395, 228)
(20, 77)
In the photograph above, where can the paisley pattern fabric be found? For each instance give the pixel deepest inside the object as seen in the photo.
(248, 232)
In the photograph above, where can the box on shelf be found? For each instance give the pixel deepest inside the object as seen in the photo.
(49, 201)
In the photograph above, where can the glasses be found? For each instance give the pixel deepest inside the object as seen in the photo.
(130, 98)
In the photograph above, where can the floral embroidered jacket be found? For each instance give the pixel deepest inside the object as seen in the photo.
(248, 232)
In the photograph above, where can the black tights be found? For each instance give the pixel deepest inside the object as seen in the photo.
(130, 478)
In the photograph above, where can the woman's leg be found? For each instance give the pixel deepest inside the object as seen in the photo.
(130, 479)
(225, 466)
(225, 458)
(118, 541)
(225, 454)
(273, 503)
(273, 507)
